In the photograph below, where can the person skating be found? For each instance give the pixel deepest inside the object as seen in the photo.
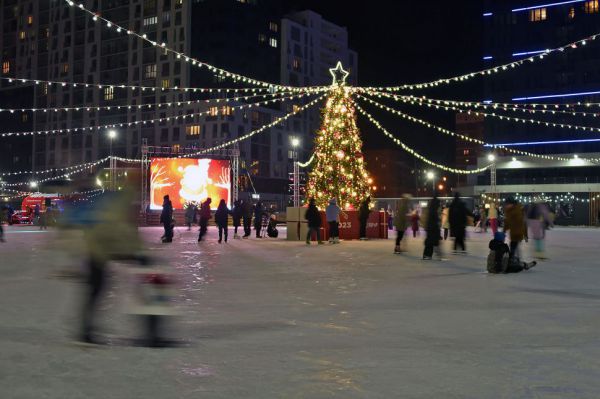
(484, 219)
(247, 218)
(414, 222)
(259, 212)
(514, 223)
(221, 219)
(458, 215)
(205, 216)
(190, 212)
(493, 217)
(237, 213)
(36, 214)
(166, 218)
(363, 217)
(445, 221)
(499, 259)
(433, 229)
(538, 221)
(313, 216)
(332, 214)
(401, 221)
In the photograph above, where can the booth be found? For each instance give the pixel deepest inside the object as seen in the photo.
(297, 226)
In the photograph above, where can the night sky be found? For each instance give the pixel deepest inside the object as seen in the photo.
(411, 41)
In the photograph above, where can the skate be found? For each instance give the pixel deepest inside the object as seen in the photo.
(529, 265)
(397, 250)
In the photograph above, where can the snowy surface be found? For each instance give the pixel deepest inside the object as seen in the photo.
(276, 319)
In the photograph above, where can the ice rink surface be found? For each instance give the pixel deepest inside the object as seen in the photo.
(276, 319)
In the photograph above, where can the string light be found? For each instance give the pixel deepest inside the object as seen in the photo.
(307, 163)
(100, 86)
(53, 170)
(467, 138)
(179, 55)
(76, 169)
(486, 114)
(488, 71)
(149, 121)
(416, 154)
(147, 106)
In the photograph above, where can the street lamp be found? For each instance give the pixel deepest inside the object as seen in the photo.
(112, 134)
(492, 158)
(295, 144)
(431, 176)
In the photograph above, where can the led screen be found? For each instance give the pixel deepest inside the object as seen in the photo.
(189, 180)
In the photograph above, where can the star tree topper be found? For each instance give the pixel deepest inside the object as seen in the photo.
(339, 74)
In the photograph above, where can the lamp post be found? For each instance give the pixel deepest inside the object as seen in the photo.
(492, 158)
(112, 134)
(295, 144)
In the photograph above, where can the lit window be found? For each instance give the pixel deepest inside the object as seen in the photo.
(466, 152)
(273, 26)
(22, 35)
(193, 130)
(109, 93)
(24, 117)
(213, 111)
(273, 42)
(165, 84)
(150, 71)
(30, 19)
(150, 21)
(227, 110)
(537, 14)
(45, 88)
(65, 68)
(572, 13)
(6, 67)
(296, 64)
(295, 108)
(591, 7)
(262, 37)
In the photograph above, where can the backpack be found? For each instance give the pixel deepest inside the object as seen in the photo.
(493, 267)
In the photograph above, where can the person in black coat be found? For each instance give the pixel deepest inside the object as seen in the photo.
(259, 212)
(363, 217)
(247, 218)
(166, 218)
(221, 219)
(458, 222)
(237, 213)
(313, 216)
(433, 228)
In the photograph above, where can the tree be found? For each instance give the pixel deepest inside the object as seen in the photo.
(339, 170)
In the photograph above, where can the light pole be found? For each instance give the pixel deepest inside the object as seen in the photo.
(431, 176)
(112, 134)
(492, 158)
(295, 144)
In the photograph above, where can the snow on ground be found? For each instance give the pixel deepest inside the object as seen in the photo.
(276, 319)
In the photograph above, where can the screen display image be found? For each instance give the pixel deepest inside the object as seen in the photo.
(187, 180)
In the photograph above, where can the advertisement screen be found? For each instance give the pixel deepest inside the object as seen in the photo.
(187, 180)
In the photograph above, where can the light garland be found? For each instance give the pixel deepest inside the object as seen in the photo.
(179, 55)
(416, 154)
(100, 86)
(76, 169)
(149, 121)
(534, 197)
(145, 106)
(254, 132)
(467, 138)
(487, 114)
(488, 71)
(307, 163)
(24, 172)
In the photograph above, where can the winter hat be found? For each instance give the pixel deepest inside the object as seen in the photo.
(499, 236)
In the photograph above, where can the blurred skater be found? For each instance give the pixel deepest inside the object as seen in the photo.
(445, 221)
(259, 212)
(221, 219)
(493, 217)
(538, 221)
(332, 214)
(166, 218)
(432, 242)
(2, 221)
(458, 215)
(514, 223)
(237, 213)
(313, 217)
(363, 217)
(247, 218)
(205, 216)
(190, 213)
(414, 222)
(400, 221)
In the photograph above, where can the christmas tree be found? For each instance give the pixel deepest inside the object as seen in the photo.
(339, 169)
